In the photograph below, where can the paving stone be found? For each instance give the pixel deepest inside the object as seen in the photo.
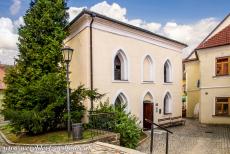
(193, 138)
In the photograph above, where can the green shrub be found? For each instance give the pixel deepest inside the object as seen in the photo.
(77, 98)
(126, 124)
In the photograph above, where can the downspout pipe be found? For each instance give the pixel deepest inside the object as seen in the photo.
(93, 15)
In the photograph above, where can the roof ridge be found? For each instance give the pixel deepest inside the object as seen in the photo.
(205, 39)
(216, 39)
(92, 13)
(228, 15)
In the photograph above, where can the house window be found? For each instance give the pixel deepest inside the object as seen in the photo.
(167, 104)
(222, 66)
(147, 69)
(120, 66)
(167, 72)
(121, 102)
(222, 106)
(117, 68)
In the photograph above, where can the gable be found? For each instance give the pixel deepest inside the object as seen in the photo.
(219, 39)
(224, 23)
(221, 26)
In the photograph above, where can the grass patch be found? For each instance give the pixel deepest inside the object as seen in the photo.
(49, 138)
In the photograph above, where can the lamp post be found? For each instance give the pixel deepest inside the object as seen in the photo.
(67, 53)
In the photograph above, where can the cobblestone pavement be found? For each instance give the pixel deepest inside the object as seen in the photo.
(193, 138)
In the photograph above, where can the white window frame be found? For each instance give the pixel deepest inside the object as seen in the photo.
(170, 72)
(170, 103)
(125, 61)
(124, 95)
(152, 69)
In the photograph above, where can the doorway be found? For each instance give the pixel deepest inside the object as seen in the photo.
(147, 114)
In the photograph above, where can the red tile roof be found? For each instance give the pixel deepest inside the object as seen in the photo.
(221, 38)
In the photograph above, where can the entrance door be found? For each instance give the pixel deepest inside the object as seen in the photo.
(147, 114)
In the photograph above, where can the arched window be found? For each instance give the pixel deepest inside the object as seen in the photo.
(167, 72)
(148, 69)
(167, 104)
(120, 66)
(121, 102)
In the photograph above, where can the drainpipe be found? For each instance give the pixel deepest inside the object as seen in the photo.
(91, 57)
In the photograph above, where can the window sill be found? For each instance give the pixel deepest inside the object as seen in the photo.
(219, 76)
(166, 114)
(167, 83)
(120, 81)
(147, 82)
(221, 115)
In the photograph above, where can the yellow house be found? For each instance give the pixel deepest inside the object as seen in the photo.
(129, 64)
(208, 77)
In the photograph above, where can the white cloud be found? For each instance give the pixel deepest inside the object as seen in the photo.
(6, 23)
(8, 39)
(74, 11)
(114, 10)
(154, 27)
(7, 56)
(15, 7)
(19, 22)
(191, 34)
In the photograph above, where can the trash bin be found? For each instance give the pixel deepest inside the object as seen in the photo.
(77, 131)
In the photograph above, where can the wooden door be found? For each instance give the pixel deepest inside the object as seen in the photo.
(147, 114)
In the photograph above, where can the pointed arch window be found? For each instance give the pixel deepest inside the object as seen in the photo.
(120, 66)
(167, 72)
(168, 104)
(147, 69)
(121, 102)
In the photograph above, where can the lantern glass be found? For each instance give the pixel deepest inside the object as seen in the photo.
(67, 53)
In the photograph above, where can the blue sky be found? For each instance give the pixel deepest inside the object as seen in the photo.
(150, 10)
(164, 10)
(188, 21)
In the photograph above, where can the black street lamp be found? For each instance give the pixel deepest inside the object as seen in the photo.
(67, 53)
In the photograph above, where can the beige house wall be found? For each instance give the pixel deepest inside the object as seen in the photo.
(211, 85)
(192, 70)
(136, 46)
(208, 64)
(193, 97)
(207, 108)
(134, 88)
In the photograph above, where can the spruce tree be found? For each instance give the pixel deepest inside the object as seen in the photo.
(36, 85)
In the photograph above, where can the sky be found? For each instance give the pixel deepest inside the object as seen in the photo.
(188, 21)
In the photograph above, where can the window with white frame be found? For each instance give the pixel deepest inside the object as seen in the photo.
(167, 72)
(167, 103)
(147, 69)
(120, 66)
(121, 102)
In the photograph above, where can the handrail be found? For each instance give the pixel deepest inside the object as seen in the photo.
(167, 134)
(149, 121)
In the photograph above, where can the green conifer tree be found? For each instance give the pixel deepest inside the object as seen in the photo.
(36, 85)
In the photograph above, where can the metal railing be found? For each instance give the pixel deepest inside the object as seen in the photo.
(101, 122)
(152, 129)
